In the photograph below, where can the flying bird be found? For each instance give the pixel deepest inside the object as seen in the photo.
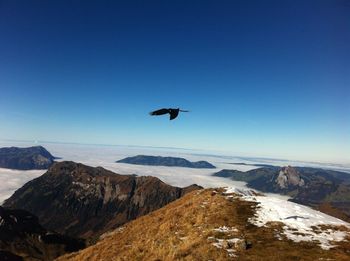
(173, 112)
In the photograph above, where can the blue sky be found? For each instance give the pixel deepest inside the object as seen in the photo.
(261, 78)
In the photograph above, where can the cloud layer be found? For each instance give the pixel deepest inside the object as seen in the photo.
(105, 156)
(11, 180)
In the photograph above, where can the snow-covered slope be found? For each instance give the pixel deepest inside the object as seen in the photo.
(301, 223)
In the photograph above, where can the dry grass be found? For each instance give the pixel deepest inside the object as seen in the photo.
(335, 212)
(184, 230)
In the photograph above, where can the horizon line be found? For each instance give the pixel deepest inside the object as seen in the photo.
(205, 152)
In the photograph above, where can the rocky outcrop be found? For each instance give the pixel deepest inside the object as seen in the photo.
(289, 176)
(85, 201)
(21, 236)
(25, 158)
(166, 161)
(309, 186)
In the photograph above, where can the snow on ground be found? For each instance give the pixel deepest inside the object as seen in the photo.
(224, 229)
(299, 221)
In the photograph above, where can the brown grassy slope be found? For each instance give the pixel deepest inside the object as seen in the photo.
(333, 211)
(184, 230)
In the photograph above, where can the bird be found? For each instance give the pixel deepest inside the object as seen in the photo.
(173, 112)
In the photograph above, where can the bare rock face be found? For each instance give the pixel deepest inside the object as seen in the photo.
(289, 176)
(84, 201)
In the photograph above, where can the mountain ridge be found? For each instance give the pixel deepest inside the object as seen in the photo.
(219, 224)
(84, 201)
(165, 161)
(36, 157)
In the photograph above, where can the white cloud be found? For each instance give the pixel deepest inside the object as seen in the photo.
(11, 180)
(105, 156)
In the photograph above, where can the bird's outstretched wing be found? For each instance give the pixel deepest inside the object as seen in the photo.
(173, 114)
(160, 112)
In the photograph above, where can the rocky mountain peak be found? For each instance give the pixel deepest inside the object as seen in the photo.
(85, 201)
(289, 177)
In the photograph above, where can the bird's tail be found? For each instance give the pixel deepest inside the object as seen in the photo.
(184, 111)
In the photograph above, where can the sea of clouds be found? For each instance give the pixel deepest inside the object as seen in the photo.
(11, 180)
(106, 156)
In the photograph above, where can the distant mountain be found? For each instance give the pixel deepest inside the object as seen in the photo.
(326, 190)
(21, 236)
(255, 165)
(166, 161)
(212, 224)
(25, 158)
(84, 201)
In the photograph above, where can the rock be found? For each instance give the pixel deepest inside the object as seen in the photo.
(289, 176)
(248, 244)
(227, 244)
(240, 245)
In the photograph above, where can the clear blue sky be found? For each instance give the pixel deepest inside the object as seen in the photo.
(261, 78)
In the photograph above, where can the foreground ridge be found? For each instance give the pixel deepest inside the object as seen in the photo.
(220, 224)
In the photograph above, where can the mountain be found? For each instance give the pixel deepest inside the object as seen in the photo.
(25, 158)
(248, 164)
(218, 224)
(83, 201)
(326, 190)
(166, 161)
(21, 235)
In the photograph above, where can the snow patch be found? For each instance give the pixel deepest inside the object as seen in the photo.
(240, 191)
(225, 229)
(301, 223)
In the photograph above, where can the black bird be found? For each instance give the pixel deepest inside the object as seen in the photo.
(173, 112)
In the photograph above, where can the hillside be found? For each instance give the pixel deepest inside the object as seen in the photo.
(22, 235)
(83, 201)
(217, 225)
(166, 161)
(326, 190)
(25, 158)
